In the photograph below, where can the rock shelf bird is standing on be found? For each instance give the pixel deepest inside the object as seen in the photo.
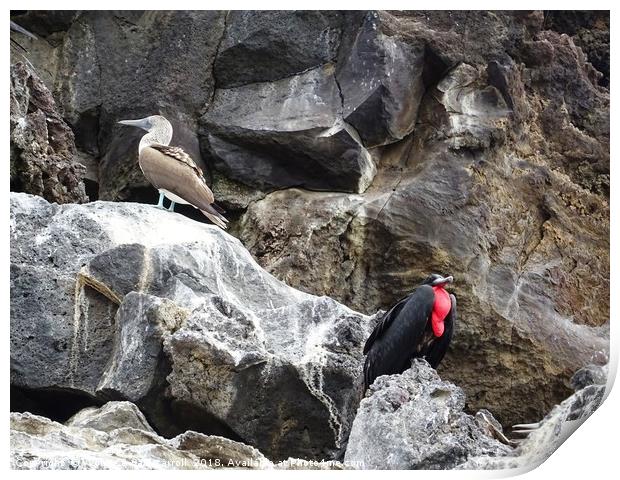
(172, 171)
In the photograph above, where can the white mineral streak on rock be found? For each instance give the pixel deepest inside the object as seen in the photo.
(246, 336)
(312, 364)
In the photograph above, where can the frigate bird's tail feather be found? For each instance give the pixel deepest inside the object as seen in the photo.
(215, 217)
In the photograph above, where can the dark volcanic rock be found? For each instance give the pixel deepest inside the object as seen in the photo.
(589, 29)
(312, 127)
(44, 22)
(43, 154)
(263, 46)
(381, 82)
(132, 302)
(416, 421)
(503, 183)
(279, 134)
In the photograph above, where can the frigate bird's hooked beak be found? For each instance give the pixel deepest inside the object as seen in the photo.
(443, 280)
(143, 123)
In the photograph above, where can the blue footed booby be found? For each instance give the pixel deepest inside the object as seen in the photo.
(172, 171)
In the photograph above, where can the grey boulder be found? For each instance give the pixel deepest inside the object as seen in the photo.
(416, 421)
(262, 46)
(111, 416)
(129, 302)
(288, 132)
(380, 75)
(117, 436)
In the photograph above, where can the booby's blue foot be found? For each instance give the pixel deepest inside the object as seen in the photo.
(171, 207)
(160, 204)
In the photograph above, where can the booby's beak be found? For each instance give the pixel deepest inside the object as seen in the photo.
(443, 280)
(142, 123)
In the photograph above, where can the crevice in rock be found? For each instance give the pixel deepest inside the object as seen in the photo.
(56, 404)
(540, 232)
(435, 68)
(279, 79)
(217, 52)
(346, 252)
(341, 97)
(401, 172)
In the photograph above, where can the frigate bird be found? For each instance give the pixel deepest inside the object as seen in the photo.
(419, 325)
(172, 171)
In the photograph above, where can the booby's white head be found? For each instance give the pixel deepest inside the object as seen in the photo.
(159, 130)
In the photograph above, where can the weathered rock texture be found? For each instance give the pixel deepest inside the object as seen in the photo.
(416, 421)
(474, 143)
(108, 66)
(560, 423)
(117, 436)
(503, 183)
(111, 416)
(125, 301)
(43, 153)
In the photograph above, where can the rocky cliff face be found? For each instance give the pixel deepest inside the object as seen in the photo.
(43, 152)
(355, 152)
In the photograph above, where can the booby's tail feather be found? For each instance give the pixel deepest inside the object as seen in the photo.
(217, 218)
(218, 208)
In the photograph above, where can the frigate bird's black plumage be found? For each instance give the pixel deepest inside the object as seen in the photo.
(405, 332)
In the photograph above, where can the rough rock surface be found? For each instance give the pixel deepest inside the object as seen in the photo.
(43, 153)
(110, 416)
(590, 31)
(109, 66)
(380, 76)
(474, 143)
(136, 303)
(416, 421)
(280, 134)
(256, 46)
(503, 183)
(554, 428)
(117, 436)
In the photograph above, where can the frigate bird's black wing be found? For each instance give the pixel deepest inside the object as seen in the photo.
(394, 341)
(439, 347)
(385, 322)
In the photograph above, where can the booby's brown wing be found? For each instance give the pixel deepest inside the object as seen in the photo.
(170, 168)
(179, 154)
